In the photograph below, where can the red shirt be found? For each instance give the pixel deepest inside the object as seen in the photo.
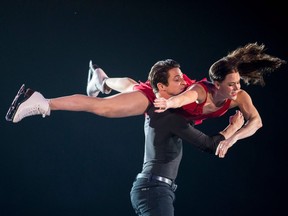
(192, 111)
(148, 91)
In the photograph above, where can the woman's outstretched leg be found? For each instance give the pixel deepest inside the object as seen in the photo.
(115, 106)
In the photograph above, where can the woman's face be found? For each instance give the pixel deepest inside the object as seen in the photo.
(230, 86)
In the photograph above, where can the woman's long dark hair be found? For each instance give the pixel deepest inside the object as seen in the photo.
(250, 61)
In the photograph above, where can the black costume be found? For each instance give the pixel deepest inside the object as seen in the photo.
(153, 189)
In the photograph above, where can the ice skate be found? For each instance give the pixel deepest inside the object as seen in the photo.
(95, 82)
(32, 103)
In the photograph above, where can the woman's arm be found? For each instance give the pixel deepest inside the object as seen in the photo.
(253, 122)
(195, 93)
(250, 113)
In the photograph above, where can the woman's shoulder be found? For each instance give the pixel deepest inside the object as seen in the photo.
(242, 97)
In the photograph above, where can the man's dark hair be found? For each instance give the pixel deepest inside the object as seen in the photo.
(159, 72)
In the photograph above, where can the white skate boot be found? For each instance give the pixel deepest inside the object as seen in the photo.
(33, 104)
(95, 82)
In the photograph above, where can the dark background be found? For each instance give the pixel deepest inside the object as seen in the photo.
(80, 164)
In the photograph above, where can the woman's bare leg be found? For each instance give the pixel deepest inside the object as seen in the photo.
(115, 106)
(98, 81)
(123, 84)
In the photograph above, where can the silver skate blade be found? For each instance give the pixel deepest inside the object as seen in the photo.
(13, 107)
(91, 71)
(90, 64)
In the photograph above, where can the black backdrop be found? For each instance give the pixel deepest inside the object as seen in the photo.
(79, 164)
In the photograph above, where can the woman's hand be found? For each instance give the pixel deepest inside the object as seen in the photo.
(162, 104)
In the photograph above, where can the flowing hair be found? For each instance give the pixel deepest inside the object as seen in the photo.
(250, 61)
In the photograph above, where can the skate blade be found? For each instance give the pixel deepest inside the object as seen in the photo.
(14, 105)
(90, 72)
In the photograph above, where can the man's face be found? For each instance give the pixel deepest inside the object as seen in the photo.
(176, 84)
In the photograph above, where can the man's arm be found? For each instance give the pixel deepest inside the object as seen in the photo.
(200, 140)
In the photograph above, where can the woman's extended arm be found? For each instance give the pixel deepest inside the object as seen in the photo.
(195, 93)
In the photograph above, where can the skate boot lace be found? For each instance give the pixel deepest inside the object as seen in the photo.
(33, 110)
